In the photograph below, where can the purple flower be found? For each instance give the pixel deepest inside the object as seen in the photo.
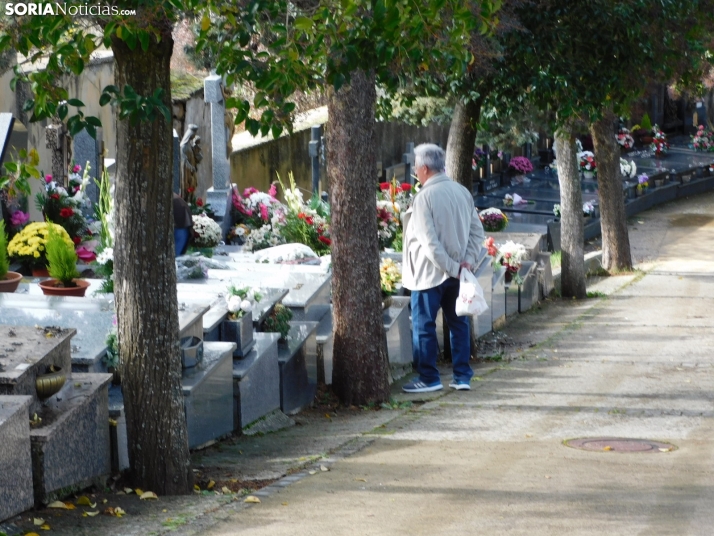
(77, 168)
(19, 218)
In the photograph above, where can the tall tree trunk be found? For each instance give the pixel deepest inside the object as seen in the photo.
(572, 279)
(460, 145)
(145, 279)
(613, 219)
(361, 368)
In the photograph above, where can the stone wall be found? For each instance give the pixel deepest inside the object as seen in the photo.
(259, 165)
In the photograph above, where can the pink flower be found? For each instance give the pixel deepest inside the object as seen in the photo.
(48, 179)
(264, 212)
(77, 168)
(19, 218)
(249, 191)
(85, 255)
(273, 190)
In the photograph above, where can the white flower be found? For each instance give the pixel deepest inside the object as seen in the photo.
(250, 295)
(246, 306)
(234, 303)
(105, 256)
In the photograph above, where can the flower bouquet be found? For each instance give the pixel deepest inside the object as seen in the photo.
(305, 223)
(556, 210)
(241, 301)
(703, 140)
(520, 165)
(490, 244)
(29, 245)
(515, 199)
(588, 209)
(206, 232)
(256, 209)
(587, 164)
(264, 237)
(390, 276)
(493, 220)
(660, 145)
(625, 139)
(279, 321)
(628, 169)
(511, 255)
(643, 181)
(63, 206)
(393, 200)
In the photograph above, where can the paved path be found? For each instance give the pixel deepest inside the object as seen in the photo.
(636, 364)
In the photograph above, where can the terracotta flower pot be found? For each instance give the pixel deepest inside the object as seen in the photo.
(10, 282)
(40, 272)
(50, 288)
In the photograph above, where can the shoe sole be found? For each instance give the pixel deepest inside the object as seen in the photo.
(460, 386)
(424, 389)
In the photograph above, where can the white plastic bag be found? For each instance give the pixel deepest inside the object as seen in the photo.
(470, 300)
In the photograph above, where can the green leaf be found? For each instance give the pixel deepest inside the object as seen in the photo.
(11, 167)
(303, 23)
(28, 105)
(75, 102)
(94, 121)
(144, 39)
(62, 111)
(104, 99)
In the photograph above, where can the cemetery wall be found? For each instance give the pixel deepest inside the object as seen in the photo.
(257, 165)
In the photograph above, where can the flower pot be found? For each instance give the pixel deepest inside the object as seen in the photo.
(10, 283)
(50, 383)
(40, 272)
(50, 288)
(588, 175)
(191, 351)
(387, 301)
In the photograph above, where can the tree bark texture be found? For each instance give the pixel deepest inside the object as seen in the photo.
(571, 216)
(361, 367)
(145, 280)
(613, 219)
(460, 145)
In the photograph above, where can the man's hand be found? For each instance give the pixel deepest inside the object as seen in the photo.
(465, 265)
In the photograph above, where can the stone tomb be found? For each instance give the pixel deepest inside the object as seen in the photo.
(73, 419)
(15, 461)
(298, 367)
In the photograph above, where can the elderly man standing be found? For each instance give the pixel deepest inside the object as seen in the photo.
(442, 236)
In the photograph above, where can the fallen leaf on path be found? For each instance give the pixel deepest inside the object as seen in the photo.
(211, 483)
(323, 468)
(38, 521)
(284, 504)
(665, 450)
(360, 479)
(529, 435)
(548, 477)
(607, 448)
(139, 491)
(57, 504)
(252, 499)
(196, 487)
(45, 527)
(91, 514)
(32, 534)
(311, 472)
(84, 501)
(128, 491)
(226, 491)
(148, 495)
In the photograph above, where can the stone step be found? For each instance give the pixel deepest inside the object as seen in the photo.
(256, 382)
(16, 493)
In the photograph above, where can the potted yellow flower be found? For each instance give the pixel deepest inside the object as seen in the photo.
(8, 280)
(62, 261)
(28, 246)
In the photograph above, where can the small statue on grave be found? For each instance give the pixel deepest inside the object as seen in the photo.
(189, 175)
(197, 150)
(228, 121)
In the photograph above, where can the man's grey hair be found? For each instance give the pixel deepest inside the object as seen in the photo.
(430, 155)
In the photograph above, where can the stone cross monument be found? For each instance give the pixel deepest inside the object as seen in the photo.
(219, 194)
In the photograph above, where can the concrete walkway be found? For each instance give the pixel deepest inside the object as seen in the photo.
(635, 361)
(634, 364)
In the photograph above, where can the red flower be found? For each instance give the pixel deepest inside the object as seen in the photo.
(199, 202)
(325, 240)
(190, 189)
(301, 215)
(406, 187)
(66, 213)
(384, 186)
(54, 196)
(76, 240)
(309, 220)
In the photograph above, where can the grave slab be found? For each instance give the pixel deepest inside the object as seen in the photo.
(16, 494)
(324, 340)
(498, 298)
(399, 337)
(256, 382)
(297, 386)
(528, 291)
(484, 275)
(208, 394)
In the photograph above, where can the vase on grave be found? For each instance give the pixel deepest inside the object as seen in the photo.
(659, 183)
(10, 282)
(50, 383)
(51, 287)
(40, 271)
(386, 301)
(588, 175)
(239, 331)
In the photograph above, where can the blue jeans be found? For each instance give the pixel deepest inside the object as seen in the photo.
(425, 307)
(181, 236)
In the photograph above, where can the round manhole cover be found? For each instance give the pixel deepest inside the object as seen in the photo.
(618, 444)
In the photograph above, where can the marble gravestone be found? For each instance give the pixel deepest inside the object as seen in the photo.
(88, 149)
(6, 123)
(218, 196)
(176, 163)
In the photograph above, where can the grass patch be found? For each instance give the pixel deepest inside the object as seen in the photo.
(596, 294)
(174, 523)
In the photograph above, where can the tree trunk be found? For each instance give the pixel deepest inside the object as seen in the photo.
(361, 368)
(460, 145)
(572, 281)
(145, 279)
(613, 219)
